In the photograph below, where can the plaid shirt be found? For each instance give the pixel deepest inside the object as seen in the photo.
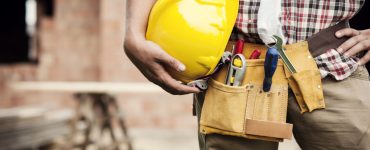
(300, 20)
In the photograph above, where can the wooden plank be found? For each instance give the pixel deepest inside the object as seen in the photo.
(26, 127)
(87, 87)
(23, 117)
(20, 113)
(35, 138)
(32, 131)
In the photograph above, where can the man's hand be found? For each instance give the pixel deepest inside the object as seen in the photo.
(151, 60)
(147, 56)
(359, 41)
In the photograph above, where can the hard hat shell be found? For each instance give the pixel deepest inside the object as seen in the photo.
(194, 32)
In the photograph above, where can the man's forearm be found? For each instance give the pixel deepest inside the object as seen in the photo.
(137, 18)
(152, 61)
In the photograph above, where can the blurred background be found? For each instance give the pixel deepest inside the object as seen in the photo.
(65, 83)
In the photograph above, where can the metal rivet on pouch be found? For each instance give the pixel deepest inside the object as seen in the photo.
(319, 86)
(309, 57)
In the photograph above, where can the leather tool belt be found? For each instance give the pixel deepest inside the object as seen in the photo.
(247, 111)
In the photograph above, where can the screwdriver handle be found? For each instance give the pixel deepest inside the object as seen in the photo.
(255, 54)
(239, 46)
(271, 61)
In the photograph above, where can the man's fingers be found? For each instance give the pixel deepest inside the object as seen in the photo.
(161, 77)
(174, 87)
(171, 62)
(363, 45)
(350, 43)
(162, 57)
(347, 32)
(364, 59)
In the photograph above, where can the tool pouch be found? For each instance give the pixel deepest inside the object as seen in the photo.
(246, 110)
(306, 82)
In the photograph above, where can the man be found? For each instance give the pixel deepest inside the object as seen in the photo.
(345, 122)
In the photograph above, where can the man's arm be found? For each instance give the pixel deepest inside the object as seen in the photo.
(147, 56)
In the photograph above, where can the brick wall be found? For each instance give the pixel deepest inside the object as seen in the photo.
(18, 72)
(70, 41)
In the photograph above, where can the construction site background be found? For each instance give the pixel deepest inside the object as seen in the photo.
(82, 40)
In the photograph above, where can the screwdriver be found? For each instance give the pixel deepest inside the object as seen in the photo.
(271, 60)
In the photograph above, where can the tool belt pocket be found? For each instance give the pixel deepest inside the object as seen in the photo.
(246, 110)
(306, 82)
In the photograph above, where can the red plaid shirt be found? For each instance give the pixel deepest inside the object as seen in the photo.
(300, 20)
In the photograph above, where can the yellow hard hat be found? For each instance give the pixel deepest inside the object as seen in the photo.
(194, 32)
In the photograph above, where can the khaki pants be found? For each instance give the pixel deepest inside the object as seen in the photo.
(343, 125)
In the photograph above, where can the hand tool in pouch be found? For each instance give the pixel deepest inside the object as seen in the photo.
(202, 83)
(284, 57)
(255, 54)
(237, 66)
(271, 61)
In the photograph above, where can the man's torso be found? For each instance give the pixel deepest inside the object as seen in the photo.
(300, 18)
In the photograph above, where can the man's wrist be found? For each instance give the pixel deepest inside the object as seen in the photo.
(133, 38)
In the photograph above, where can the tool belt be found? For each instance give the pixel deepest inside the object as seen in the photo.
(247, 111)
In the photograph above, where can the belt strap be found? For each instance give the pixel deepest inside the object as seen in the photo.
(324, 40)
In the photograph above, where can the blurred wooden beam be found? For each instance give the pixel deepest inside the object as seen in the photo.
(19, 130)
(86, 87)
